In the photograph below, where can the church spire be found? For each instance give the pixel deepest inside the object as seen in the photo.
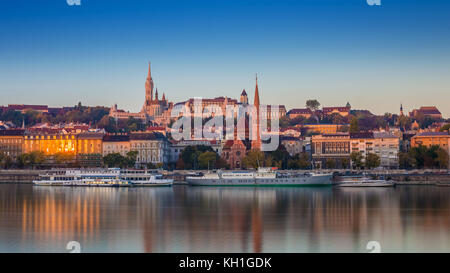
(156, 94)
(256, 143)
(149, 86)
(256, 101)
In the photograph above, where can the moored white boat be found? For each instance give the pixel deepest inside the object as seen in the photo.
(145, 178)
(365, 182)
(112, 177)
(261, 177)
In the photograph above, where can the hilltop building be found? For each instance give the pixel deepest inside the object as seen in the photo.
(154, 109)
(430, 111)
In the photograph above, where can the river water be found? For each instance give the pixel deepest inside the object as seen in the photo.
(224, 219)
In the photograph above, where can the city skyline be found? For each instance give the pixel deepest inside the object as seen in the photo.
(374, 57)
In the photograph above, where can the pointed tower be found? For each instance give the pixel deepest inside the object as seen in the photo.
(149, 87)
(256, 143)
(401, 110)
(164, 97)
(244, 98)
(156, 94)
(256, 100)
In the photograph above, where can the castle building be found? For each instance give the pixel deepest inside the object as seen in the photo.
(154, 109)
(153, 106)
(343, 111)
(117, 114)
(299, 112)
(430, 111)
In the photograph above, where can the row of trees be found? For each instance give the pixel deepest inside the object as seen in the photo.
(117, 160)
(97, 116)
(424, 157)
(78, 113)
(39, 159)
(199, 157)
(279, 158)
(356, 161)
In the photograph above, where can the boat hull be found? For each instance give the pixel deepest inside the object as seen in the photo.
(319, 180)
(164, 184)
(357, 184)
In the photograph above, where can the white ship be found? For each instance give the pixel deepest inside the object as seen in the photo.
(112, 177)
(364, 182)
(261, 177)
(145, 178)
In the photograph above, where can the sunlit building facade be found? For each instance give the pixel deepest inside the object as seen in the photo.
(50, 144)
(11, 142)
(116, 143)
(334, 147)
(151, 147)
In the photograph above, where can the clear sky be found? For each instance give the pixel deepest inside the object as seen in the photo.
(375, 57)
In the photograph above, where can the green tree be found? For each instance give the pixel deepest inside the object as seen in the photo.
(444, 128)
(134, 125)
(372, 161)
(5, 160)
(130, 159)
(354, 126)
(108, 124)
(253, 159)
(356, 158)
(300, 161)
(330, 163)
(404, 122)
(116, 160)
(63, 158)
(312, 104)
(345, 163)
(207, 160)
(189, 156)
(37, 158)
(278, 158)
(442, 158)
(428, 157)
(405, 161)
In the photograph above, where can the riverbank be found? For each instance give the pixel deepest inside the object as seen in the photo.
(19, 176)
(400, 177)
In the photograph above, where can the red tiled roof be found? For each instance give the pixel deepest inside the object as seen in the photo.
(331, 109)
(24, 106)
(300, 111)
(429, 110)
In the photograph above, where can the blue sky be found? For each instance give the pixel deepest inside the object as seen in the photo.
(375, 57)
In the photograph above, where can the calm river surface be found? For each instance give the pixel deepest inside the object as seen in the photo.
(224, 219)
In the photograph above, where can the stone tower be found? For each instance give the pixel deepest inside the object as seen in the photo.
(149, 87)
(244, 98)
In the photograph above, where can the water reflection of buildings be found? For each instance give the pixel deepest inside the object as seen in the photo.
(287, 219)
(185, 219)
